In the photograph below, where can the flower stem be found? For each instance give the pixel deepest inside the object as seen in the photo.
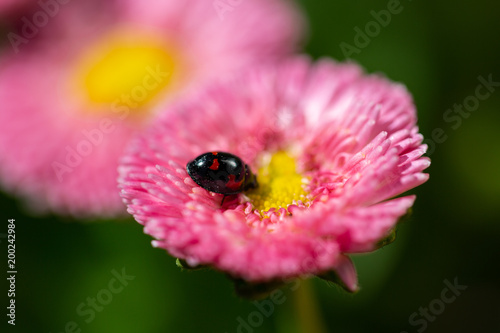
(307, 310)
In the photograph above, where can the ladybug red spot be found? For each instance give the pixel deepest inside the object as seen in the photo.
(214, 153)
(232, 184)
(215, 165)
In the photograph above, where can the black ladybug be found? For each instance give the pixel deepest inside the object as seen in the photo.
(221, 172)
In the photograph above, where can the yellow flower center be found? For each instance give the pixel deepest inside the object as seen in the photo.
(279, 184)
(127, 68)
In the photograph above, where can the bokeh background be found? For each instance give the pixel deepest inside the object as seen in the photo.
(438, 49)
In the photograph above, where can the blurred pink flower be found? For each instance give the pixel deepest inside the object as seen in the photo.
(75, 89)
(13, 7)
(331, 148)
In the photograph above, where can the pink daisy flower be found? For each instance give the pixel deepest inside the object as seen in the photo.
(331, 148)
(76, 89)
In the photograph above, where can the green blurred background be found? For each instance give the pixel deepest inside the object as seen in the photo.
(438, 50)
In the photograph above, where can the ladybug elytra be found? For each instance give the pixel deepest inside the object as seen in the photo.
(221, 172)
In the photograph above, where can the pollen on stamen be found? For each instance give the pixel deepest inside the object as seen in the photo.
(280, 185)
